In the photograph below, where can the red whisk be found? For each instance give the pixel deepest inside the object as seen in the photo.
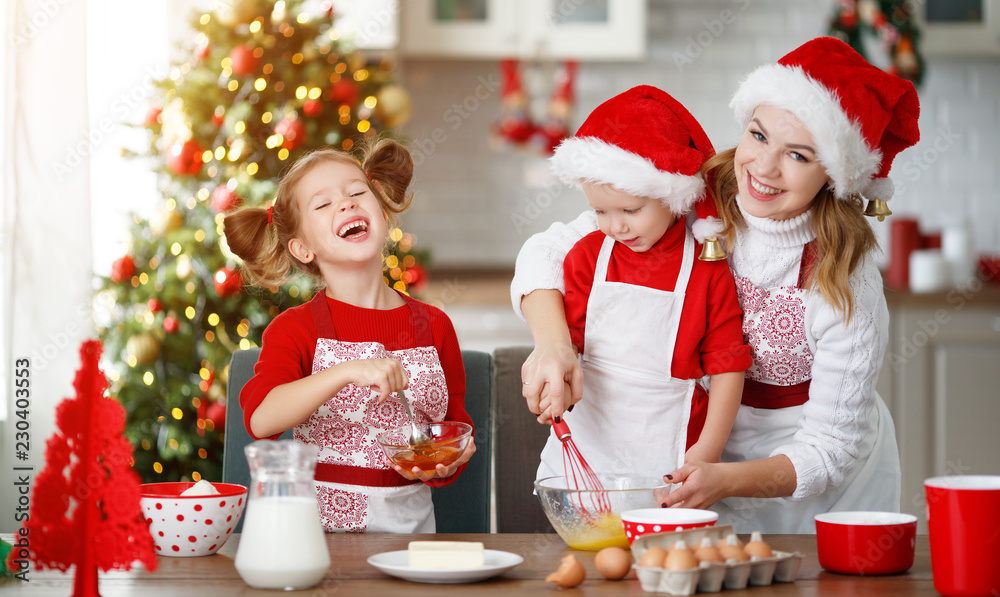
(578, 472)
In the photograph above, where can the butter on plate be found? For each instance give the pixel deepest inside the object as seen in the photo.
(446, 555)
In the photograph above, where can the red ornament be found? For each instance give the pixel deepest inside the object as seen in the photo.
(153, 117)
(154, 305)
(224, 199)
(415, 277)
(217, 119)
(85, 509)
(201, 52)
(122, 269)
(292, 131)
(171, 324)
(312, 108)
(185, 158)
(242, 61)
(217, 415)
(227, 282)
(344, 92)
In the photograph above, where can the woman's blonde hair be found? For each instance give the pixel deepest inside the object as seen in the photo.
(263, 247)
(843, 237)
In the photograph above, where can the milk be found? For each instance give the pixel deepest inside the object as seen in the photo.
(282, 545)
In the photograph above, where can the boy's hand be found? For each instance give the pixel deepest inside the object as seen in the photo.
(385, 376)
(442, 470)
(551, 375)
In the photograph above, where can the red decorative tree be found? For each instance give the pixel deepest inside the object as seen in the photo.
(85, 502)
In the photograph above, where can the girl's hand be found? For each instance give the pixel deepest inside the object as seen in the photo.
(382, 375)
(547, 374)
(699, 453)
(442, 470)
(704, 484)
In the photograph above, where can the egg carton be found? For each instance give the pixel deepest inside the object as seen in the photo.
(710, 577)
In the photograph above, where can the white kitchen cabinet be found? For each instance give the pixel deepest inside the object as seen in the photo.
(527, 29)
(941, 380)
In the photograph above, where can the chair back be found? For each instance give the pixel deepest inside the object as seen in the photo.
(517, 445)
(462, 507)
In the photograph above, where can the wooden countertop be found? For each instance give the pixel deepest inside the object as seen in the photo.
(350, 573)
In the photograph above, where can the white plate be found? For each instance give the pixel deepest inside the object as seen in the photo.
(397, 563)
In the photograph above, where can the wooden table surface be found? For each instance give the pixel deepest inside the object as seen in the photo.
(350, 573)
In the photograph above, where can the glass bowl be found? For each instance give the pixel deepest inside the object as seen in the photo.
(448, 441)
(579, 518)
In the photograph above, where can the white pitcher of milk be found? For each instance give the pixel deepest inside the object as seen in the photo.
(282, 545)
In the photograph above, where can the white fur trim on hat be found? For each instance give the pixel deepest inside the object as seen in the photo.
(840, 146)
(879, 188)
(706, 228)
(588, 159)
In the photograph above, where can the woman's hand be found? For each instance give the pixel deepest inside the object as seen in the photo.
(442, 470)
(382, 375)
(552, 380)
(704, 484)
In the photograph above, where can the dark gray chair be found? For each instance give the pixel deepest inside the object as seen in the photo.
(518, 443)
(462, 507)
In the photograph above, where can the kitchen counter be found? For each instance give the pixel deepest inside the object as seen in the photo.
(350, 573)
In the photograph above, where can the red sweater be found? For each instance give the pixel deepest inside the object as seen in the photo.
(710, 334)
(290, 340)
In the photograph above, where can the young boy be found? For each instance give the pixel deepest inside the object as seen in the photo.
(647, 318)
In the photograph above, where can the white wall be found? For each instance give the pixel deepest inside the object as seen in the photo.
(471, 199)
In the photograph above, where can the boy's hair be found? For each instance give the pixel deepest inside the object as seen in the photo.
(388, 168)
(843, 237)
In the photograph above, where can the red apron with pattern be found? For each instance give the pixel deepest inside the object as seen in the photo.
(774, 394)
(356, 489)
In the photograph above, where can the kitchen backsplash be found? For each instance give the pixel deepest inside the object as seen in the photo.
(475, 204)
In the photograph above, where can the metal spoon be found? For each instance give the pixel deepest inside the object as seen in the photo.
(417, 437)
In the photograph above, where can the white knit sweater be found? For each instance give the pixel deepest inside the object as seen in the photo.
(848, 356)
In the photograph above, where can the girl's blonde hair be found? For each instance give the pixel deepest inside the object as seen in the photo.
(843, 237)
(387, 166)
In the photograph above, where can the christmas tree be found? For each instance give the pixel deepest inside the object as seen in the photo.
(263, 83)
(890, 21)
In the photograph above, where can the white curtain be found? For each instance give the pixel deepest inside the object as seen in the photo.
(47, 241)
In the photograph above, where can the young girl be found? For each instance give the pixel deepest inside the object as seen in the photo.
(821, 129)
(647, 317)
(329, 369)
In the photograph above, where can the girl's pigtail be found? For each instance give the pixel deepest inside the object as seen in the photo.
(389, 166)
(252, 238)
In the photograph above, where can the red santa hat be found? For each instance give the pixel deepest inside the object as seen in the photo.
(642, 142)
(859, 116)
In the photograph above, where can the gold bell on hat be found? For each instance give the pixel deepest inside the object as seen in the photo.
(712, 250)
(877, 208)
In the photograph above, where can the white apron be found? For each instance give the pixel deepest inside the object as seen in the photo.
(775, 390)
(356, 489)
(634, 415)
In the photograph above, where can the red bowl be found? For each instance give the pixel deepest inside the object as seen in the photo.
(866, 543)
(665, 520)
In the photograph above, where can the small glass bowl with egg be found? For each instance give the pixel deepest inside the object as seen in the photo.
(448, 441)
(590, 519)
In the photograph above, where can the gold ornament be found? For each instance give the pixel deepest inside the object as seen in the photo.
(393, 106)
(235, 12)
(142, 348)
(165, 221)
(877, 208)
(182, 267)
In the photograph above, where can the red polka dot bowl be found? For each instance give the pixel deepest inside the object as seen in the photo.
(645, 521)
(191, 525)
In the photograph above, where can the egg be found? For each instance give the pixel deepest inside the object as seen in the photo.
(680, 558)
(757, 548)
(731, 549)
(569, 574)
(707, 552)
(613, 563)
(653, 557)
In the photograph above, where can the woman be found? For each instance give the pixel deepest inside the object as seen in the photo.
(821, 128)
